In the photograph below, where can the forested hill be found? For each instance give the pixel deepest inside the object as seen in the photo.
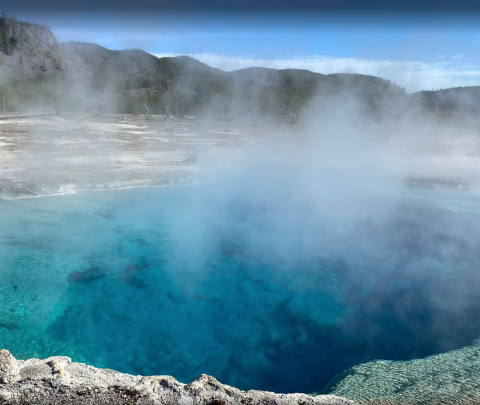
(36, 71)
(460, 102)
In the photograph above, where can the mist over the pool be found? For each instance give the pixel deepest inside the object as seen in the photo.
(294, 255)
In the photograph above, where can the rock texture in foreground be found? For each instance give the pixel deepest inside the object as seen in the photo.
(446, 378)
(58, 380)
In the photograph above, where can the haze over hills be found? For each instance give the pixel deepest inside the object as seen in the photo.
(38, 72)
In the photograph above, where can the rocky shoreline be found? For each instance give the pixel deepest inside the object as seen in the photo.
(58, 380)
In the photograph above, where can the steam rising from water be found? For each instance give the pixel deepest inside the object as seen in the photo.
(282, 270)
(301, 252)
(295, 252)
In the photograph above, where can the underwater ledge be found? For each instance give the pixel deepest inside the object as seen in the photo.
(452, 377)
(57, 380)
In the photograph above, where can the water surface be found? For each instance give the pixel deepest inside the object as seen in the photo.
(255, 288)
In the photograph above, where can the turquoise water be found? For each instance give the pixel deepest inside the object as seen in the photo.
(259, 286)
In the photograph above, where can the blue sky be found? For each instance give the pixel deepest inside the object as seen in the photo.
(416, 49)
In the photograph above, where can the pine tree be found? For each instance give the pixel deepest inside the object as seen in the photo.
(6, 38)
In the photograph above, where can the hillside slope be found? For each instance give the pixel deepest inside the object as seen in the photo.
(38, 72)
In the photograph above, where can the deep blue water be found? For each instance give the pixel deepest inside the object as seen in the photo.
(262, 289)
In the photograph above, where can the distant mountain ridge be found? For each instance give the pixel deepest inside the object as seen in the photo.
(36, 70)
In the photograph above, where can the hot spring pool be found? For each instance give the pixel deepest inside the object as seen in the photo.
(266, 293)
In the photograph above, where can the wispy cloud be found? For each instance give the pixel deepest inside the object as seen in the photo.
(413, 75)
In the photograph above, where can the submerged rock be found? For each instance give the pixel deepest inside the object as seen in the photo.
(447, 378)
(86, 276)
(58, 380)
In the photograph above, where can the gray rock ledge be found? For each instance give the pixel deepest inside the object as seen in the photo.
(58, 380)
